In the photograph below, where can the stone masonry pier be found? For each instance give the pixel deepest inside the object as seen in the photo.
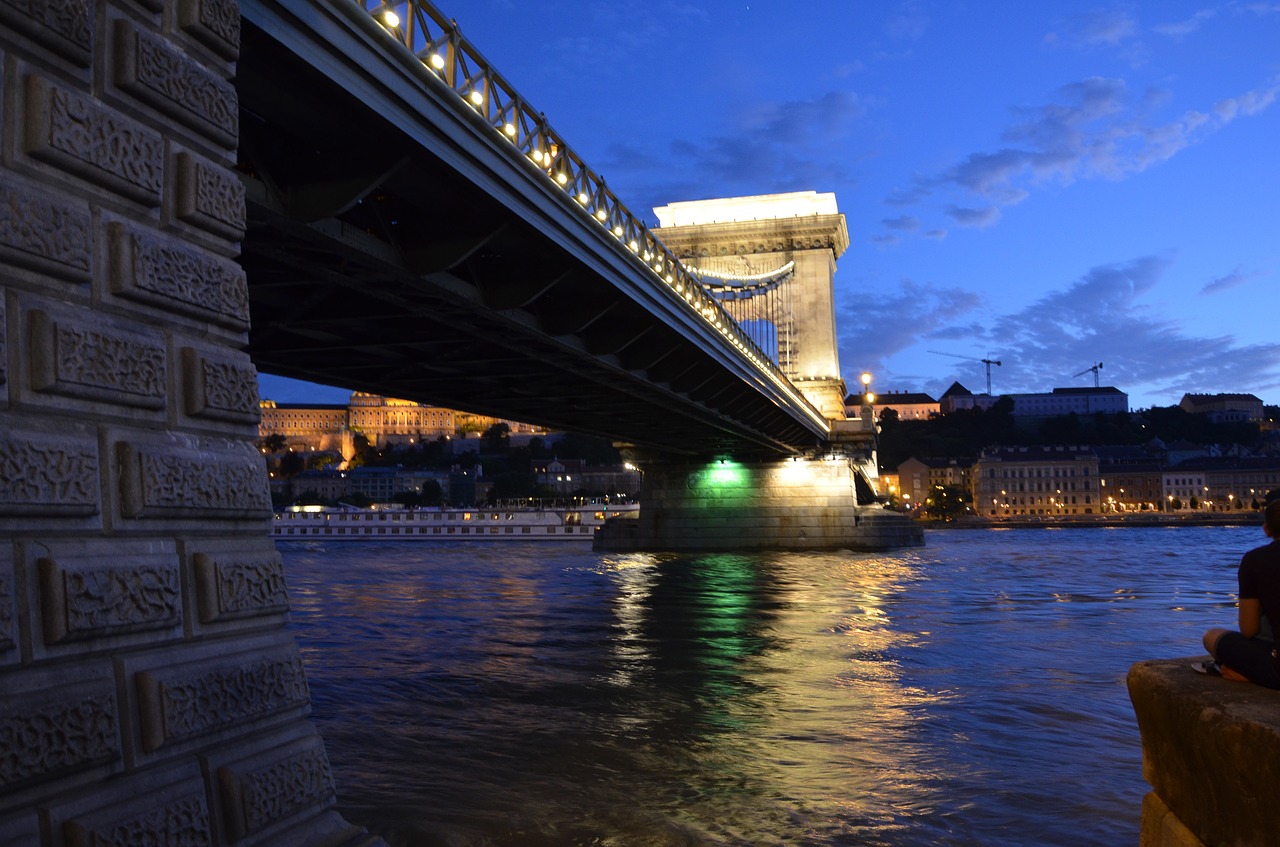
(1211, 752)
(149, 693)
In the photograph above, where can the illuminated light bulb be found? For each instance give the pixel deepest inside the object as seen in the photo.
(647, 255)
(510, 130)
(561, 178)
(437, 61)
(537, 155)
(670, 278)
(477, 98)
(583, 198)
(617, 230)
(601, 214)
(391, 19)
(634, 247)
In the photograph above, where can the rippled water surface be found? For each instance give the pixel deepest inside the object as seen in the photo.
(967, 693)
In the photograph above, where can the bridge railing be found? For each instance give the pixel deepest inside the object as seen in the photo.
(439, 50)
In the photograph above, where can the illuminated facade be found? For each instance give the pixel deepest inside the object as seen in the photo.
(382, 420)
(1036, 481)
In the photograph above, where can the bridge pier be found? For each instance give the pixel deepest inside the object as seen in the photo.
(822, 503)
(149, 693)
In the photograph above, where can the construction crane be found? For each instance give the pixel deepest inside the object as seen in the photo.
(1095, 370)
(987, 362)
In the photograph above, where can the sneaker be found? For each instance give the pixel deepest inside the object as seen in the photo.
(1210, 668)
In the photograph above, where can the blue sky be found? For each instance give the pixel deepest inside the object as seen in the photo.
(1049, 185)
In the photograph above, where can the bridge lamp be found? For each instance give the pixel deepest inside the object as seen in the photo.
(617, 230)
(601, 214)
(391, 19)
(510, 129)
(633, 245)
(583, 198)
(437, 61)
(561, 178)
(477, 98)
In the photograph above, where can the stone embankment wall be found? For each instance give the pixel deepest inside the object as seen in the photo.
(148, 691)
(1211, 752)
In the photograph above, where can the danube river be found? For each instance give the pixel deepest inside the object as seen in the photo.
(971, 692)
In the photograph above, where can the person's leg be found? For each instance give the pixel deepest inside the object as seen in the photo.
(1211, 640)
(1250, 657)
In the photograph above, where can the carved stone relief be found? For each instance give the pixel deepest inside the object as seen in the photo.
(214, 22)
(81, 602)
(259, 798)
(164, 483)
(80, 135)
(95, 363)
(169, 274)
(60, 25)
(186, 703)
(237, 586)
(151, 70)
(209, 197)
(44, 234)
(219, 388)
(48, 738)
(48, 475)
(183, 822)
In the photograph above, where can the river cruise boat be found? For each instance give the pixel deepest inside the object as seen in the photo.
(529, 523)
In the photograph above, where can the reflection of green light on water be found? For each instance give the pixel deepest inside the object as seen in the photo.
(723, 474)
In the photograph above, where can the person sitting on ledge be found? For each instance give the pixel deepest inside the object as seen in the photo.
(1250, 654)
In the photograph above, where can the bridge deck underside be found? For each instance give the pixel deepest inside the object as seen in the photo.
(375, 264)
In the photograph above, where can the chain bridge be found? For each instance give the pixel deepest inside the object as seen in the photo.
(195, 190)
(417, 229)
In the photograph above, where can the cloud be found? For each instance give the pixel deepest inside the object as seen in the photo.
(1235, 279)
(875, 327)
(1096, 28)
(771, 146)
(906, 223)
(1092, 129)
(1181, 29)
(1102, 317)
(909, 23)
(979, 218)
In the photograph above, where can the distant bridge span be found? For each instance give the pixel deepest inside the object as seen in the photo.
(408, 240)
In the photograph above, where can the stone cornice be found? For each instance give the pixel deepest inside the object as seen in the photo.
(741, 238)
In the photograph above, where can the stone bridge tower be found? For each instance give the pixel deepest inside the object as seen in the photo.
(754, 235)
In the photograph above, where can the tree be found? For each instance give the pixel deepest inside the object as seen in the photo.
(497, 438)
(945, 503)
(274, 442)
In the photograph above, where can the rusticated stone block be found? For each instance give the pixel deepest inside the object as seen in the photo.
(169, 482)
(215, 23)
(209, 196)
(166, 273)
(179, 704)
(78, 134)
(8, 597)
(64, 26)
(259, 794)
(44, 234)
(239, 584)
(219, 387)
(76, 359)
(48, 475)
(82, 600)
(44, 737)
(4, 353)
(175, 817)
(147, 67)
